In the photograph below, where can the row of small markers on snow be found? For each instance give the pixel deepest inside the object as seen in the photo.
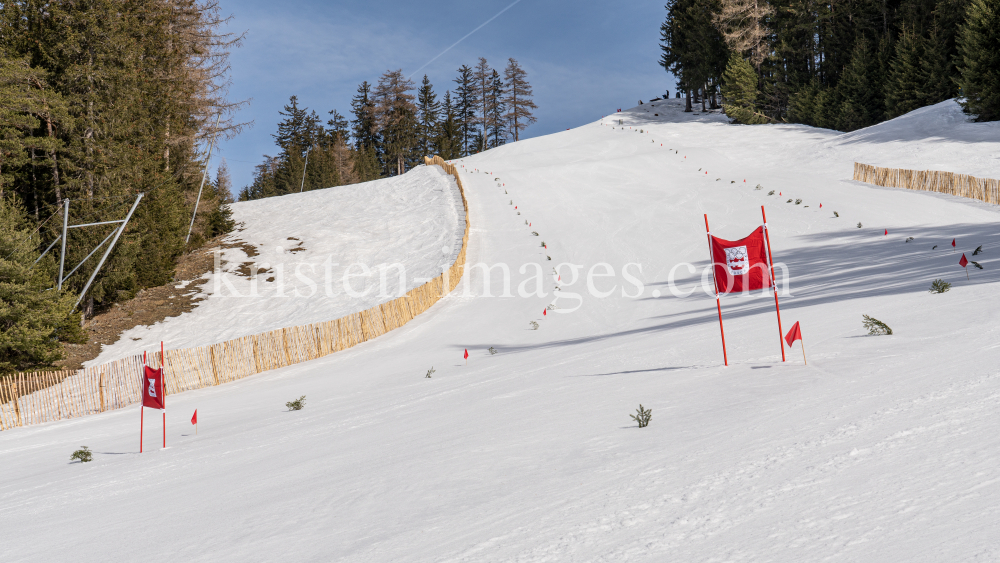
(559, 278)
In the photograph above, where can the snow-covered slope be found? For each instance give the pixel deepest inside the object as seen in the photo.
(304, 244)
(881, 449)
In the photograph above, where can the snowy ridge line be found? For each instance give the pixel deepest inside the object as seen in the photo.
(963, 185)
(35, 398)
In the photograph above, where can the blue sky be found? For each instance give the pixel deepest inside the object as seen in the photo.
(584, 58)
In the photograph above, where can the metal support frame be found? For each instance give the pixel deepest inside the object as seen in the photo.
(42, 255)
(94, 224)
(303, 183)
(62, 257)
(118, 232)
(204, 174)
(96, 248)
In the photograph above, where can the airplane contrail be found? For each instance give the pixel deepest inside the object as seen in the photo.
(464, 38)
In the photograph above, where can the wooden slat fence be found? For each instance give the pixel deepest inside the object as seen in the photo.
(37, 397)
(983, 189)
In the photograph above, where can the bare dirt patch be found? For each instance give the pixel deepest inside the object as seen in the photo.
(152, 305)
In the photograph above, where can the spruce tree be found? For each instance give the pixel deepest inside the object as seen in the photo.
(858, 91)
(517, 99)
(497, 124)
(396, 119)
(466, 102)
(908, 76)
(428, 112)
(483, 83)
(979, 65)
(739, 92)
(448, 144)
(33, 316)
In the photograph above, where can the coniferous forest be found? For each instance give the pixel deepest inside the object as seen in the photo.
(101, 100)
(395, 123)
(843, 65)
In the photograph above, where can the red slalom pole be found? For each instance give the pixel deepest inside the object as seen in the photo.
(142, 411)
(774, 285)
(718, 305)
(163, 389)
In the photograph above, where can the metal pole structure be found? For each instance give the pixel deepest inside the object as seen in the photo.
(204, 173)
(303, 184)
(108, 251)
(39, 259)
(62, 257)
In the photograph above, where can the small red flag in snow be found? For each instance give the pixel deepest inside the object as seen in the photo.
(821, 206)
(545, 312)
(887, 232)
(953, 243)
(194, 418)
(794, 334)
(964, 261)
(466, 353)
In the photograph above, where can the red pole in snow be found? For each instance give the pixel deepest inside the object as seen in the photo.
(163, 394)
(718, 305)
(142, 411)
(774, 286)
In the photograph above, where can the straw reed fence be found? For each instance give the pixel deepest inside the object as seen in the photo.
(983, 189)
(34, 398)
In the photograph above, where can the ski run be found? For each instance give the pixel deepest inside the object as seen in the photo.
(882, 448)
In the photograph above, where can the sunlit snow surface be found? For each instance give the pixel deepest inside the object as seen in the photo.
(306, 243)
(881, 449)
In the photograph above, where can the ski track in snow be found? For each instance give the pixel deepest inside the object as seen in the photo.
(881, 449)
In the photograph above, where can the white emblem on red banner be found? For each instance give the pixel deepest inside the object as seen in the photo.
(736, 259)
(152, 387)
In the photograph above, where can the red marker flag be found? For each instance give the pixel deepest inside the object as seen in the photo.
(544, 312)
(152, 388)
(963, 263)
(953, 243)
(740, 265)
(794, 334)
(887, 232)
(194, 418)
(466, 353)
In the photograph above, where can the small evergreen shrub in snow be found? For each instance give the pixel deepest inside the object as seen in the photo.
(534, 325)
(835, 214)
(760, 187)
(429, 372)
(978, 250)
(798, 201)
(642, 416)
(939, 286)
(789, 201)
(83, 455)
(876, 327)
(976, 264)
(297, 404)
(493, 351)
(770, 192)
(908, 239)
(535, 233)
(859, 224)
